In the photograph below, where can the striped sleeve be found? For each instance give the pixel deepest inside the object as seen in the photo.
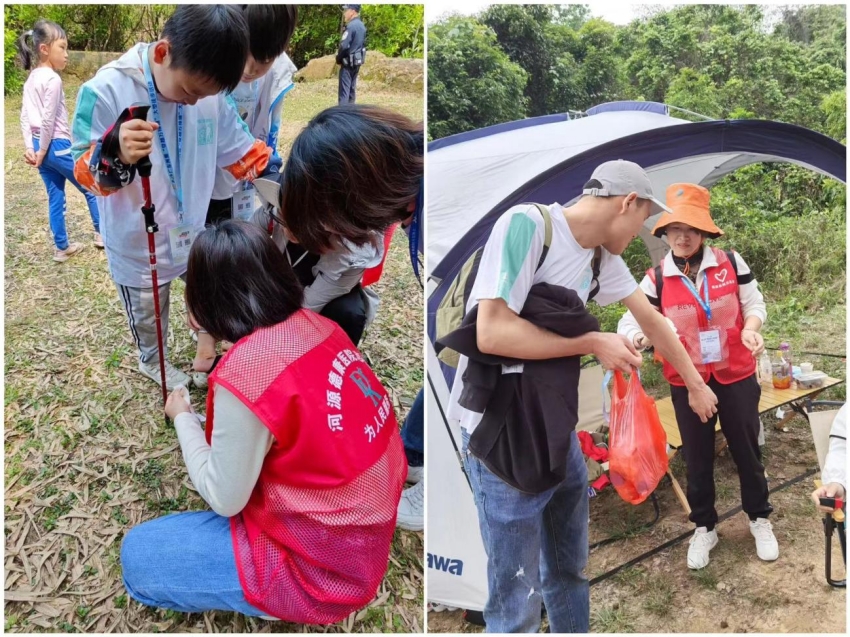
(92, 119)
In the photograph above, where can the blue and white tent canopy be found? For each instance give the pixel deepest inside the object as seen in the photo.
(473, 177)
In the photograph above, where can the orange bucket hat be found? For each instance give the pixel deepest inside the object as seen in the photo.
(689, 203)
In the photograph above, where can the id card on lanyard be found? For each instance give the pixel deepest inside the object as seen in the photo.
(179, 238)
(243, 200)
(711, 350)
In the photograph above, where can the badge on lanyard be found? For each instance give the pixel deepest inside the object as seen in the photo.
(180, 241)
(711, 350)
(710, 347)
(243, 203)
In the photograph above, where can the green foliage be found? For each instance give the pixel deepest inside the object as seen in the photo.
(718, 60)
(466, 71)
(395, 30)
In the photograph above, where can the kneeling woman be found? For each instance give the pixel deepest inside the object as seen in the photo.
(716, 307)
(301, 460)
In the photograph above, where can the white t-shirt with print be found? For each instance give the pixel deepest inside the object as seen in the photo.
(508, 270)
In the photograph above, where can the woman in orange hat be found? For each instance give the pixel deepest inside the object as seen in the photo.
(713, 300)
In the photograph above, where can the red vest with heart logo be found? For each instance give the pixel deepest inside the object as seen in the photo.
(313, 542)
(679, 305)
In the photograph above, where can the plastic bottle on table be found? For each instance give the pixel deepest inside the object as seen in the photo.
(765, 368)
(781, 368)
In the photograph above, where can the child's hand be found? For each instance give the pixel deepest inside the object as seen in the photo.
(29, 157)
(178, 402)
(39, 158)
(136, 140)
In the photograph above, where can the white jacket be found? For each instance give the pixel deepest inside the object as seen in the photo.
(835, 463)
(213, 136)
(273, 87)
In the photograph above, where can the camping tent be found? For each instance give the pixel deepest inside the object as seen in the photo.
(474, 177)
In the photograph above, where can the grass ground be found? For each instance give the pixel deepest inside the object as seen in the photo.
(87, 454)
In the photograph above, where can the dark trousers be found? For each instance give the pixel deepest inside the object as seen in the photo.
(349, 312)
(348, 84)
(219, 210)
(737, 408)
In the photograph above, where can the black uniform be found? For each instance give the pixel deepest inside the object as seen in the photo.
(351, 55)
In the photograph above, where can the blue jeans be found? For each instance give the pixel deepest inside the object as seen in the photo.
(55, 170)
(536, 547)
(413, 434)
(184, 562)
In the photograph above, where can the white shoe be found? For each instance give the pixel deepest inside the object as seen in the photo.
(414, 474)
(767, 547)
(441, 608)
(200, 379)
(701, 544)
(411, 508)
(173, 376)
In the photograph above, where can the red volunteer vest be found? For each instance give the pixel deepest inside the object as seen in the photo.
(313, 542)
(679, 305)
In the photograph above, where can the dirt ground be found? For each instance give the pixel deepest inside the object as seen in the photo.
(736, 592)
(87, 454)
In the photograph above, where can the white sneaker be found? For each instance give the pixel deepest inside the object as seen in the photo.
(411, 508)
(200, 379)
(173, 376)
(701, 544)
(414, 474)
(767, 547)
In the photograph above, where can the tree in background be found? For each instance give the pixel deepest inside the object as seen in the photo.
(471, 81)
(395, 30)
(717, 60)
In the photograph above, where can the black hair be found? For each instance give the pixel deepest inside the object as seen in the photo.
(42, 32)
(353, 171)
(238, 281)
(210, 40)
(270, 27)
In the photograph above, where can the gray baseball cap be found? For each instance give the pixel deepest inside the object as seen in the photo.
(621, 177)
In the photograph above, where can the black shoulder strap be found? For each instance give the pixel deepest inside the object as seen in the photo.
(595, 266)
(659, 283)
(730, 254)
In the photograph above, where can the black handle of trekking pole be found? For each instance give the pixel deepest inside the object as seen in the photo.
(141, 112)
(143, 167)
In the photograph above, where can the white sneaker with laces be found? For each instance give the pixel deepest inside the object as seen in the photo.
(414, 474)
(411, 508)
(767, 547)
(700, 545)
(173, 376)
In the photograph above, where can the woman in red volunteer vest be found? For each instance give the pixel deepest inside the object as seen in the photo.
(715, 307)
(300, 459)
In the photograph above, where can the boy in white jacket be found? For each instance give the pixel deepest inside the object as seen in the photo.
(258, 98)
(193, 130)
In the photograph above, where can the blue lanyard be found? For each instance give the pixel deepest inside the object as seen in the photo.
(413, 235)
(704, 303)
(175, 182)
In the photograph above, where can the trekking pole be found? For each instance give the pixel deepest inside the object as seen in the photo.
(144, 168)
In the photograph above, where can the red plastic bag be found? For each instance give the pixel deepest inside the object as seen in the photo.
(636, 441)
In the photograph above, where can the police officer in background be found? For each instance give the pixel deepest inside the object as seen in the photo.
(352, 52)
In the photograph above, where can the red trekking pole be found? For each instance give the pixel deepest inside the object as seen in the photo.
(143, 166)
